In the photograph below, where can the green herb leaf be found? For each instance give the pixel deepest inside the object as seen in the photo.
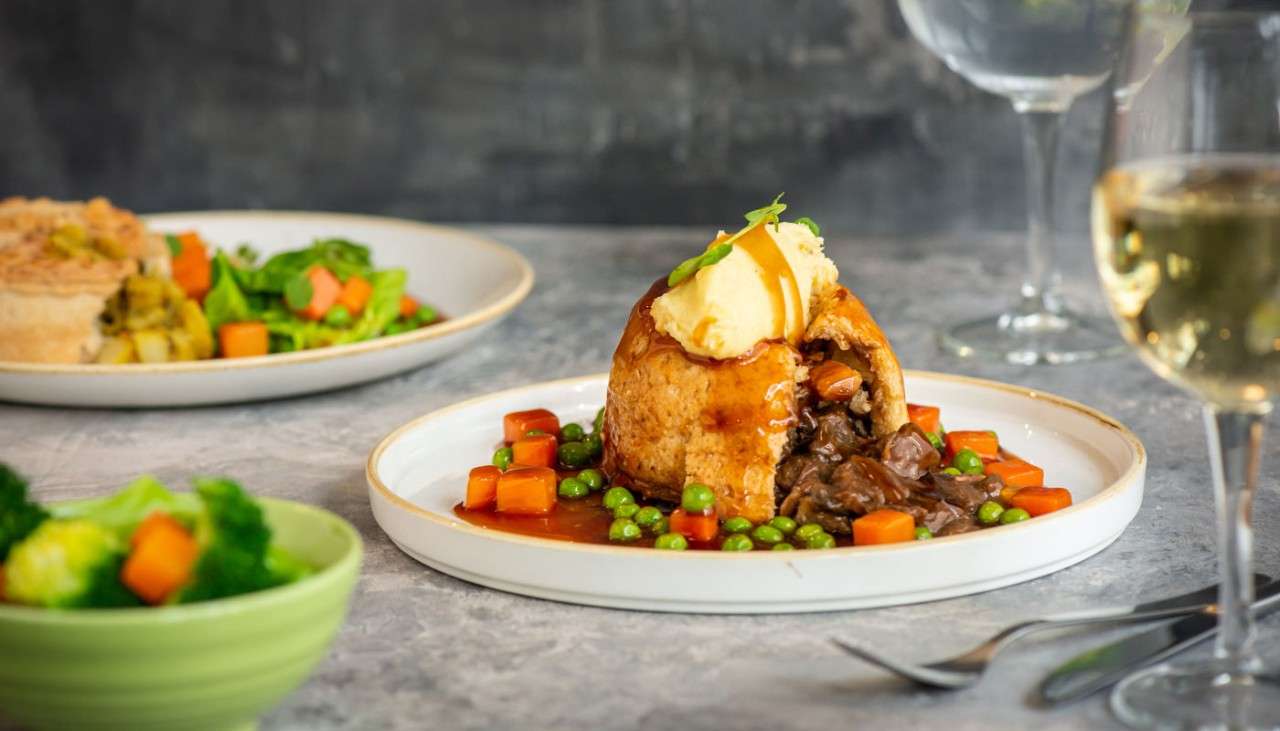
(769, 213)
(298, 292)
(246, 254)
(714, 255)
(684, 270)
(813, 226)
(175, 246)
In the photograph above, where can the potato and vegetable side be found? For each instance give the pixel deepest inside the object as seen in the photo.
(89, 282)
(143, 546)
(753, 404)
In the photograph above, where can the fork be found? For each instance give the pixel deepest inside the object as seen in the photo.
(967, 668)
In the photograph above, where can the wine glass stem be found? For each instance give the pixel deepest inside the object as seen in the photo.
(1235, 448)
(1040, 144)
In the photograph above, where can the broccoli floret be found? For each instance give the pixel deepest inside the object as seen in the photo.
(18, 515)
(67, 563)
(235, 538)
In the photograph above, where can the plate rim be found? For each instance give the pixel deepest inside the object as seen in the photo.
(1121, 484)
(490, 313)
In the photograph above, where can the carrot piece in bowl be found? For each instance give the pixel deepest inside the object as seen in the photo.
(527, 490)
(482, 488)
(519, 423)
(883, 526)
(160, 563)
(985, 443)
(535, 451)
(1017, 473)
(695, 526)
(355, 294)
(928, 418)
(1041, 500)
(243, 339)
(408, 306)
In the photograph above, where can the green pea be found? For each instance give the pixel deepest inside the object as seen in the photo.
(626, 510)
(952, 471)
(662, 527)
(934, 439)
(623, 529)
(598, 424)
(967, 460)
(425, 315)
(737, 524)
(595, 445)
(645, 517)
(923, 533)
(572, 433)
(574, 454)
(615, 496)
(502, 458)
(338, 316)
(784, 524)
(808, 530)
(1014, 515)
(396, 328)
(821, 540)
(989, 512)
(784, 546)
(534, 433)
(671, 542)
(697, 497)
(767, 534)
(592, 478)
(737, 542)
(572, 487)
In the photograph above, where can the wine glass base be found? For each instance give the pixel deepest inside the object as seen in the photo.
(1197, 696)
(1028, 338)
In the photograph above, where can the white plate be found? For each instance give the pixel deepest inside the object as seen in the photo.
(418, 473)
(474, 281)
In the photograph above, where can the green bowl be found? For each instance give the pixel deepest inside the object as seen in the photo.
(216, 665)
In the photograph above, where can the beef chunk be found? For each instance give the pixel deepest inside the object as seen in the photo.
(909, 452)
(835, 437)
(865, 485)
(963, 491)
(963, 524)
(798, 467)
(931, 512)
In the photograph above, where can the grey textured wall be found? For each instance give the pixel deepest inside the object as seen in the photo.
(614, 111)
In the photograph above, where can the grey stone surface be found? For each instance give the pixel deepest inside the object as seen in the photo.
(422, 650)
(640, 112)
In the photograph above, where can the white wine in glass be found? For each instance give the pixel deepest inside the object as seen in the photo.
(1186, 228)
(1041, 55)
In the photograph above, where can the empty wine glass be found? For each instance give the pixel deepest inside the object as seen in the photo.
(1041, 55)
(1186, 228)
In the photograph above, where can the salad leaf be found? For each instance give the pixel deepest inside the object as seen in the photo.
(225, 301)
(298, 291)
(383, 306)
(689, 267)
(768, 213)
(340, 256)
(175, 246)
(123, 511)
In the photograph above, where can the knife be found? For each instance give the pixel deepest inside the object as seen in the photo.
(1091, 671)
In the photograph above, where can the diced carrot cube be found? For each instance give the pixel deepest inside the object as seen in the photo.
(325, 289)
(928, 418)
(985, 443)
(190, 267)
(1017, 473)
(1041, 500)
(408, 306)
(519, 423)
(156, 521)
(161, 563)
(355, 294)
(696, 526)
(527, 490)
(883, 526)
(482, 488)
(243, 339)
(535, 451)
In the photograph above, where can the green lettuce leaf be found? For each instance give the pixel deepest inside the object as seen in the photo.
(225, 301)
(123, 511)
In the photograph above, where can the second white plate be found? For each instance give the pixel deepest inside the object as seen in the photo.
(418, 473)
(474, 281)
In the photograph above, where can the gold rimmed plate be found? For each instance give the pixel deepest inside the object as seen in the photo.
(418, 473)
(473, 280)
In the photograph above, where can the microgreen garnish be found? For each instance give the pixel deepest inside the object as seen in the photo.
(813, 226)
(175, 246)
(690, 266)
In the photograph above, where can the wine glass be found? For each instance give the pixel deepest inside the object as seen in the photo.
(1041, 55)
(1186, 229)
